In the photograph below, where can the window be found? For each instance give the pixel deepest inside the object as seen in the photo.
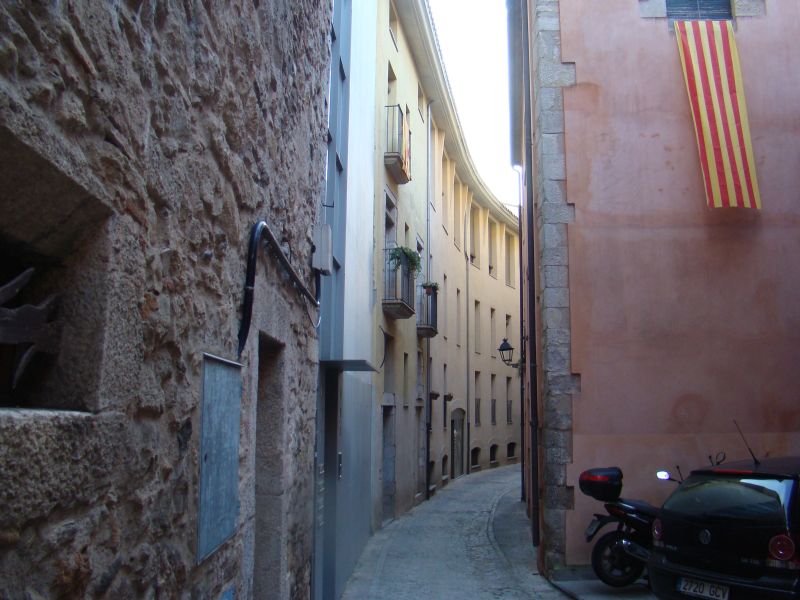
(390, 221)
(477, 337)
(447, 191)
(405, 379)
(493, 397)
(493, 345)
(457, 214)
(443, 312)
(475, 458)
(493, 248)
(493, 454)
(511, 450)
(475, 236)
(444, 396)
(509, 413)
(458, 317)
(510, 263)
(393, 27)
(699, 9)
(477, 392)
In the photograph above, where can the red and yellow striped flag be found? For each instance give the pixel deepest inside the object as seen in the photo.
(713, 77)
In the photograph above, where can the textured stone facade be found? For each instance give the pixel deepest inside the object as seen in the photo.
(140, 141)
(553, 213)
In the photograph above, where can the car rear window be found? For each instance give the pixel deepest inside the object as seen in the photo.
(738, 497)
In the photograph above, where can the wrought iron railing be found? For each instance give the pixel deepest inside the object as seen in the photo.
(398, 279)
(398, 141)
(427, 309)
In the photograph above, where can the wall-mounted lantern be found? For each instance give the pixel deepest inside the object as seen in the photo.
(507, 353)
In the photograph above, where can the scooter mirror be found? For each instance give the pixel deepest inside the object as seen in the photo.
(663, 475)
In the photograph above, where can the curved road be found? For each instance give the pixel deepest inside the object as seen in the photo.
(469, 542)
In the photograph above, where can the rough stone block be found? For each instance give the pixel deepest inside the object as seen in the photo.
(553, 144)
(750, 8)
(555, 277)
(555, 297)
(652, 8)
(557, 318)
(549, 98)
(556, 74)
(548, 46)
(556, 336)
(557, 256)
(554, 474)
(56, 460)
(550, 121)
(554, 192)
(554, 235)
(560, 383)
(558, 213)
(547, 23)
(560, 497)
(553, 167)
(558, 412)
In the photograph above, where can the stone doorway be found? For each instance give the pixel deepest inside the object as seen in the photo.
(388, 463)
(457, 442)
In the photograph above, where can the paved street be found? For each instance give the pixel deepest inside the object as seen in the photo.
(472, 540)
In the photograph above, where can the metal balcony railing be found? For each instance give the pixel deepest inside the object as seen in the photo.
(397, 157)
(427, 308)
(398, 286)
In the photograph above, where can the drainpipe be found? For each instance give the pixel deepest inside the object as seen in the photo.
(428, 340)
(531, 325)
(466, 342)
(523, 350)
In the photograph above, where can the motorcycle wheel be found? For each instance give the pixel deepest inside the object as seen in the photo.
(612, 565)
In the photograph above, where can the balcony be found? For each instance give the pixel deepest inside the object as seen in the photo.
(427, 304)
(397, 157)
(398, 283)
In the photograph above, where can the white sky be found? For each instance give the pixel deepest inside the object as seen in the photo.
(473, 38)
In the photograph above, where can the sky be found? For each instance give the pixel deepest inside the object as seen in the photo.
(473, 39)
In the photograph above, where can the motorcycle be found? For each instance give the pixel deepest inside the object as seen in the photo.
(619, 556)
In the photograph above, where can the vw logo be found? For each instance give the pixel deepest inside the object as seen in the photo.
(705, 537)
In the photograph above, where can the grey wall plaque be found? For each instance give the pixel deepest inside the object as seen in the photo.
(219, 454)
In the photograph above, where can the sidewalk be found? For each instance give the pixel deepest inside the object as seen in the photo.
(471, 540)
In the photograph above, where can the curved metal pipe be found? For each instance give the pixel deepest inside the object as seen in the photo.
(260, 229)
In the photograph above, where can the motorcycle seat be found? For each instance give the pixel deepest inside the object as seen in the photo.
(641, 506)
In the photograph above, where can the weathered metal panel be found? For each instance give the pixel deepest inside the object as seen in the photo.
(219, 454)
(228, 594)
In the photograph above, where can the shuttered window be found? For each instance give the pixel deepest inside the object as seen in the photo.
(699, 9)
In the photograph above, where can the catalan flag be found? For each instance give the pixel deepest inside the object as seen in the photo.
(713, 77)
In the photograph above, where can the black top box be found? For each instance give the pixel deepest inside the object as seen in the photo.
(604, 484)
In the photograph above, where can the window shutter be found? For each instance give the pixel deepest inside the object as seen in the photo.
(699, 9)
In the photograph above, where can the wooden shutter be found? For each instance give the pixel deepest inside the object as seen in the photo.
(699, 9)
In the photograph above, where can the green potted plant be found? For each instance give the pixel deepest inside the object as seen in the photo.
(397, 254)
(430, 287)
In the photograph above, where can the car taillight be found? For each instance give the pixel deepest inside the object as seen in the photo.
(781, 547)
(658, 529)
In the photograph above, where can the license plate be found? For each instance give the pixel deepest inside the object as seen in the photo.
(592, 528)
(702, 589)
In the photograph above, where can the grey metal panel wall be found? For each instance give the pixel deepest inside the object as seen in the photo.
(218, 507)
(354, 503)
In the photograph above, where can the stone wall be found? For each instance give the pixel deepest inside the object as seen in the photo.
(140, 141)
(553, 213)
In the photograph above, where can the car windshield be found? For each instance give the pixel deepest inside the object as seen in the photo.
(725, 497)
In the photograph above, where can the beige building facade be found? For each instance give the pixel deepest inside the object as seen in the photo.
(446, 275)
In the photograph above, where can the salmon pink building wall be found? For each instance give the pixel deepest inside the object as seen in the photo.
(682, 317)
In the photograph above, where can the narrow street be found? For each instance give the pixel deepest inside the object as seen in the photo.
(471, 540)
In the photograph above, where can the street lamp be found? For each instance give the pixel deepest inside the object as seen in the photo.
(507, 352)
